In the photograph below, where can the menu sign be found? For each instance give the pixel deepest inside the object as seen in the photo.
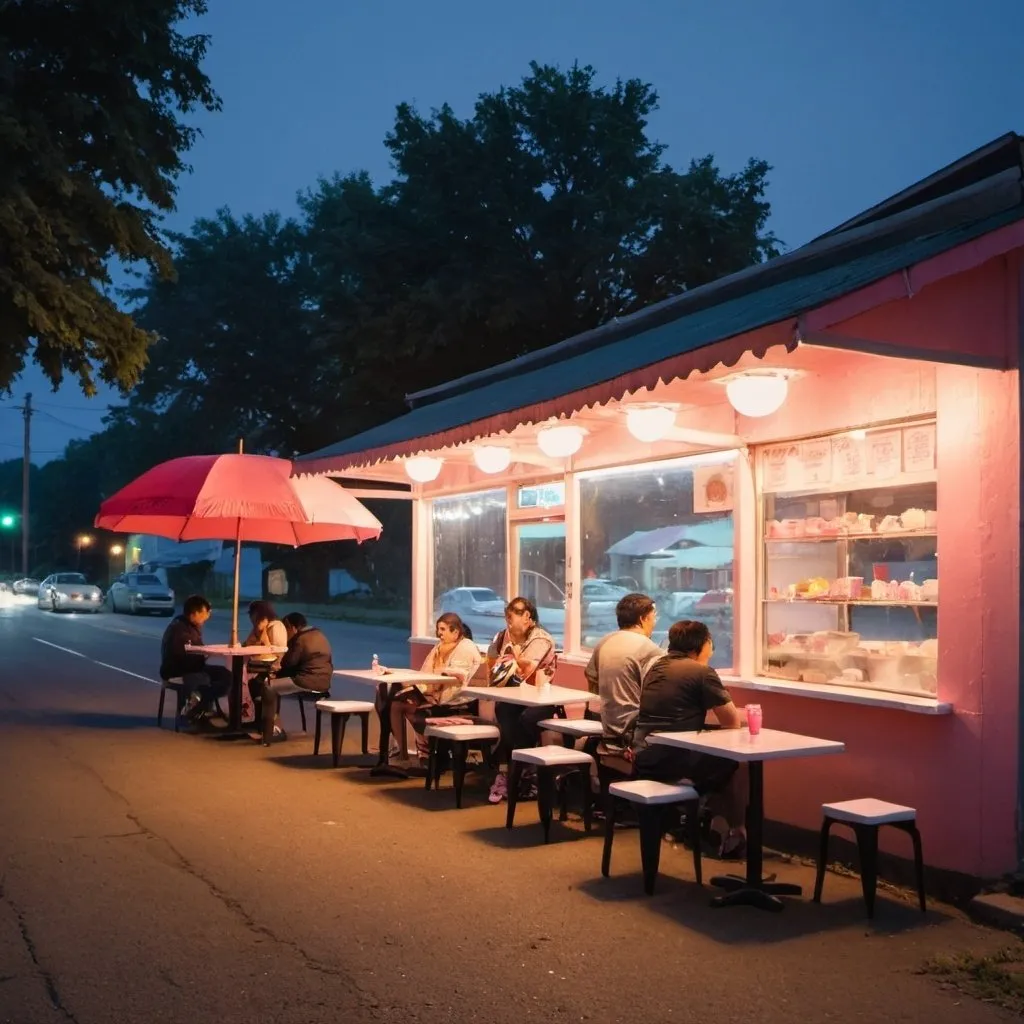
(780, 467)
(886, 452)
(919, 449)
(816, 461)
(848, 457)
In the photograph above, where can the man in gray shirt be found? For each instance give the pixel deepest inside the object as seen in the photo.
(617, 666)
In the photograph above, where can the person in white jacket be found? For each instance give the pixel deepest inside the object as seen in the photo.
(453, 655)
(267, 631)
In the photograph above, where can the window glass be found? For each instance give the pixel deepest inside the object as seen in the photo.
(663, 529)
(469, 560)
(851, 571)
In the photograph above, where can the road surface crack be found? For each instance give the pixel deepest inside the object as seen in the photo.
(49, 981)
(233, 905)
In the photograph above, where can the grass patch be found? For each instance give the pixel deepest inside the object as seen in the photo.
(997, 978)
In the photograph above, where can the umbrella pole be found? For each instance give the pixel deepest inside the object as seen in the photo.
(238, 570)
(234, 600)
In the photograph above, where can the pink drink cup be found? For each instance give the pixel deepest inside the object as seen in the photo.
(754, 718)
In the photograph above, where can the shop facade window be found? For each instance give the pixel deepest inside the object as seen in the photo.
(849, 563)
(469, 548)
(664, 529)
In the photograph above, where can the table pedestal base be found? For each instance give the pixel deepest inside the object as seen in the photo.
(764, 895)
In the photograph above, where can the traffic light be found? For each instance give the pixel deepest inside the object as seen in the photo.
(6, 521)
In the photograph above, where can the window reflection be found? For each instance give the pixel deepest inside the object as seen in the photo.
(469, 559)
(665, 530)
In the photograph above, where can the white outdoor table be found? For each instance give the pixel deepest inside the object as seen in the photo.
(738, 745)
(236, 653)
(530, 696)
(383, 682)
(406, 676)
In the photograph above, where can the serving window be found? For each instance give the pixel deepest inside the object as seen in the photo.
(850, 583)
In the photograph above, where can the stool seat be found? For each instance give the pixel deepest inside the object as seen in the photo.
(868, 811)
(345, 707)
(654, 800)
(551, 756)
(865, 817)
(648, 791)
(341, 711)
(462, 738)
(462, 733)
(554, 765)
(573, 726)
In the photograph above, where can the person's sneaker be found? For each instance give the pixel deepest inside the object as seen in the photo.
(192, 706)
(499, 789)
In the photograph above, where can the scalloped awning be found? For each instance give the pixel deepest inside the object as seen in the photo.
(716, 335)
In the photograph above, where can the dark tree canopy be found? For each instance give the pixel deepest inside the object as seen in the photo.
(547, 212)
(93, 97)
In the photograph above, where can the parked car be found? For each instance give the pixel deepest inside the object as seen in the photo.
(136, 592)
(472, 601)
(27, 585)
(69, 591)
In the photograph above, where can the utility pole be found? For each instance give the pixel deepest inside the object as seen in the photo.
(26, 465)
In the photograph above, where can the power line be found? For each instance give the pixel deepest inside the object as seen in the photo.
(70, 426)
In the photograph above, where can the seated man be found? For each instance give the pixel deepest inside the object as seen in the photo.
(679, 690)
(307, 665)
(204, 683)
(617, 667)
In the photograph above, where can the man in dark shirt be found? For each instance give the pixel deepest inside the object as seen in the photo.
(202, 682)
(307, 665)
(679, 690)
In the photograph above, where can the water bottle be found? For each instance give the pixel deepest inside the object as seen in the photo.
(375, 665)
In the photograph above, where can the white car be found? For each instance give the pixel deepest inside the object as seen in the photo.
(472, 601)
(69, 591)
(136, 592)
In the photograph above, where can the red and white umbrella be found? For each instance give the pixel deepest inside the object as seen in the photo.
(237, 497)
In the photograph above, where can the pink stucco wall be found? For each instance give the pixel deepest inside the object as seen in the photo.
(959, 770)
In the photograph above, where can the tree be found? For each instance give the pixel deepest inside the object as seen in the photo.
(93, 98)
(546, 213)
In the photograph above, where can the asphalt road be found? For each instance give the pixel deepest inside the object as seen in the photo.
(148, 877)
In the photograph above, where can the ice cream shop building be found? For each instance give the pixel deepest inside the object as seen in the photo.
(792, 454)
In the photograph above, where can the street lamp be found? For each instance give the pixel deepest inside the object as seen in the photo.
(116, 550)
(83, 541)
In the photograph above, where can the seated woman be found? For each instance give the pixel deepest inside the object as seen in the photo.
(522, 654)
(453, 655)
(267, 631)
(678, 692)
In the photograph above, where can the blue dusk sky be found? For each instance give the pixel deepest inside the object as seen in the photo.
(849, 102)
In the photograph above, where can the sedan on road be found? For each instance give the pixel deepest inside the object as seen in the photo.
(136, 592)
(69, 591)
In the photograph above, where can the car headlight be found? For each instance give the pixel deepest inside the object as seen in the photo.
(138, 597)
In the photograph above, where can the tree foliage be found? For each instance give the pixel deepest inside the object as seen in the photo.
(93, 98)
(546, 212)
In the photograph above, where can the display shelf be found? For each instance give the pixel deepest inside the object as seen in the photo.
(837, 537)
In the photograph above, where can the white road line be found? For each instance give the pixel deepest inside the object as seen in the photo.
(104, 664)
(66, 650)
(117, 668)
